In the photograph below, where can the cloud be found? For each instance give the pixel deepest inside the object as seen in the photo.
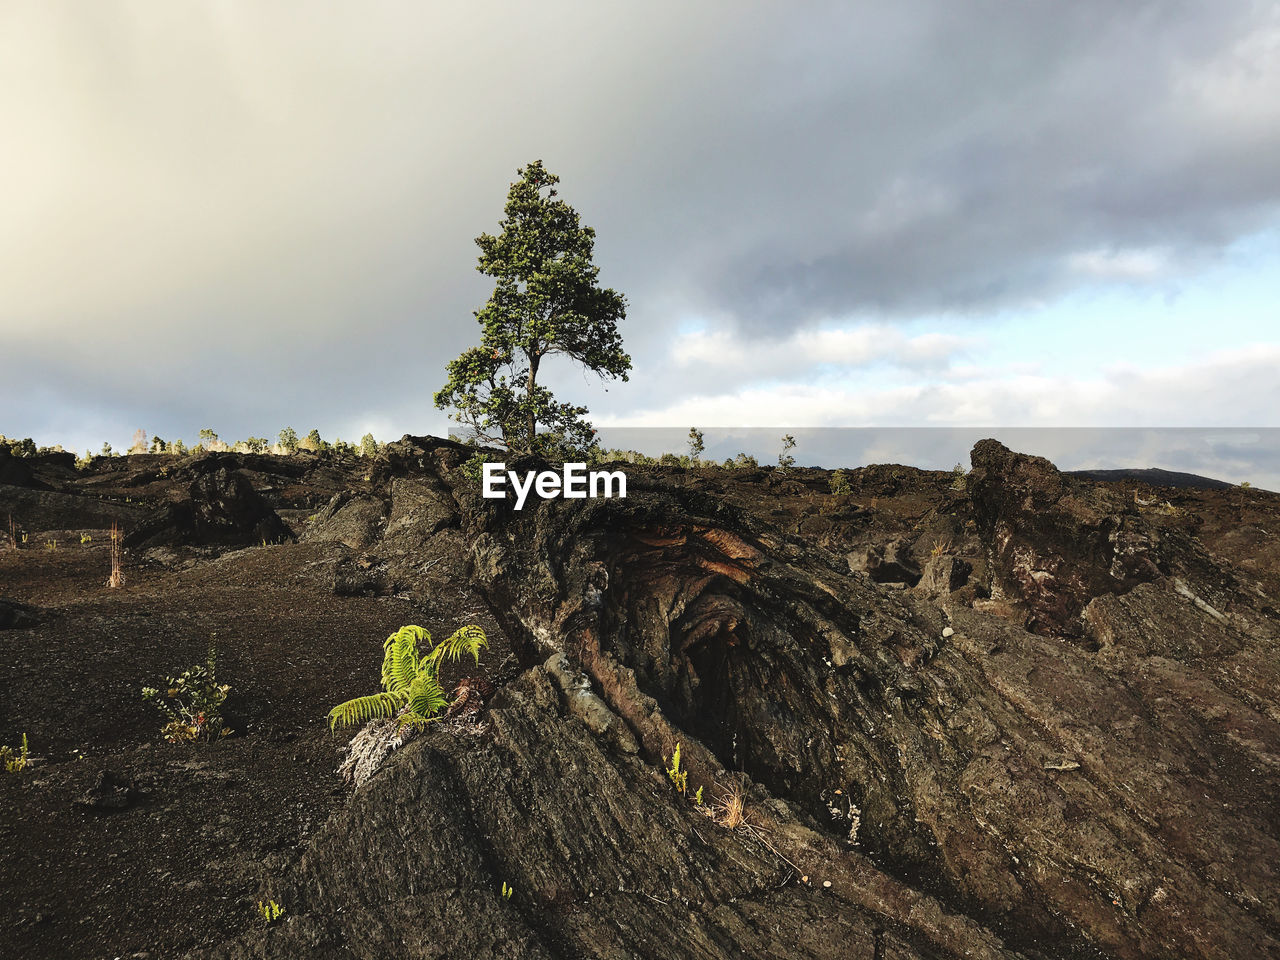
(236, 213)
(1138, 265)
(1228, 388)
(712, 353)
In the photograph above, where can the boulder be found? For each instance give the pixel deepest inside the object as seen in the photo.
(1055, 542)
(221, 508)
(943, 574)
(351, 518)
(887, 563)
(17, 616)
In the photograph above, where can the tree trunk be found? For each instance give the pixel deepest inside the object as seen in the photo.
(532, 421)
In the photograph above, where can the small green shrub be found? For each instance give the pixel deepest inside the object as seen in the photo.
(190, 703)
(270, 911)
(507, 891)
(15, 761)
(680, 778)
(840, 484)
(410, 680)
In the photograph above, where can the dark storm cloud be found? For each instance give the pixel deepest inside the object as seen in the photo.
(245, 216)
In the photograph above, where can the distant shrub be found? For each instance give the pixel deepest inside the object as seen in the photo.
(288, 440)
(18, 448)
(839, 484)
(696, 444)
(785, 460)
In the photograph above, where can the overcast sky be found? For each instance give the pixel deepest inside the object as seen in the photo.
(253, 215)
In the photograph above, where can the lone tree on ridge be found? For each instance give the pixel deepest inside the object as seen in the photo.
(546, 301)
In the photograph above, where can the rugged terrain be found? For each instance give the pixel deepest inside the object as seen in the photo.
(1020, 714)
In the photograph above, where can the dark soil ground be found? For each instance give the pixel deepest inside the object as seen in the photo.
(207, 827)
(186, 861)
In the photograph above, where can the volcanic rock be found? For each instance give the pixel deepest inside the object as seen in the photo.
(221, 508)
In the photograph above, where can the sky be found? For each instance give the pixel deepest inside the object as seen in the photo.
(248, 215)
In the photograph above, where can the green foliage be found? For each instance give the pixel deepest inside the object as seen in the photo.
(207, 437)
(473, 467)
(190, 703)
(1245, 484)
(312, 442)
(256, 444)
(840, 484)
(410, 681)
(546, 301)
(958, 479)
(18, 448)
(85, 539)
(157, 445)
(288, 440)
(106, 449)
(270, 911)
(15, 761)
(680, 778)
(368, 446)
(507, 891)
(697, 797)
(696, 444)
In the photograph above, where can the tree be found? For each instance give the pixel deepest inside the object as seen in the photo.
(256, 444)
(696, 445)
(312, 442)
(546, 301)
(208, 438)
(288, 440)
(368, 446)
(139, 444)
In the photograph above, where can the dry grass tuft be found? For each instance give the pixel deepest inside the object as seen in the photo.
(730, 810)
(117, 552)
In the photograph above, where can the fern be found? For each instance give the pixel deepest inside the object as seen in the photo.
(410, 680)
